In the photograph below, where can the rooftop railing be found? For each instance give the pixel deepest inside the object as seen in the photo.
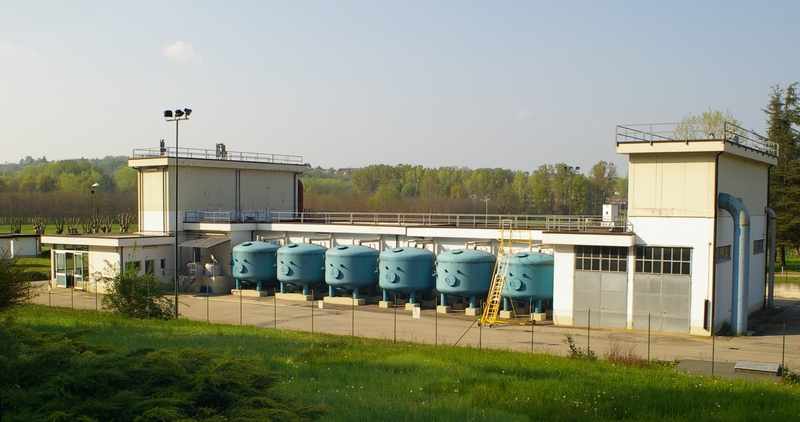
(223, 154)
(675, 132)
(578, 223)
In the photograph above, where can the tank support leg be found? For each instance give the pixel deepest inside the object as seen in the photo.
(506, 304)
(305, 289)
(355, 293)
(538, 308)
(412, 297)
(443, 299)
(385, 295)
(238, 284)
(258, 285)
(473, 302)
(283, 287)
(331, 291)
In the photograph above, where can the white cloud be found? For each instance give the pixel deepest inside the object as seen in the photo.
(10, 48)
(182, 52)
(524, 114)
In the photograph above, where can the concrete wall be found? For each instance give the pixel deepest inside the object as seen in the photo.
(787, 290)
(671, 185)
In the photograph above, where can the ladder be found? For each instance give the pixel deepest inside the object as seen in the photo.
(494, 298)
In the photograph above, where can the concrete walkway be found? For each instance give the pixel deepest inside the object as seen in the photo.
(767, 344)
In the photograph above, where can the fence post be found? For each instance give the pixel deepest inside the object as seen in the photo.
(480, 336)
(436, 323)
(533, 326)
(589, 333)
(713, 350)
(275, 307)
(240, 304)
(353, 320)
(312, 311)
(648, 339)
(783, 351)
(395, 318)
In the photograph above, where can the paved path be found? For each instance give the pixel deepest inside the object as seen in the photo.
(765, 345)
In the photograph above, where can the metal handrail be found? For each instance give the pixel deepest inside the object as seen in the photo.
(665, 132)
(210, 154)
(576, 223)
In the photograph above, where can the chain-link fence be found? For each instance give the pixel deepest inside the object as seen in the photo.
(773, 343)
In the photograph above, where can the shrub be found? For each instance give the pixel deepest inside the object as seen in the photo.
(14, 283)
(576, 352)
(136, 296)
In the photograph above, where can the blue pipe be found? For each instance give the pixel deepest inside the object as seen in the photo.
(741, 259)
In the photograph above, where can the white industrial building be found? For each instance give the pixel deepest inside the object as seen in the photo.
(678, 262)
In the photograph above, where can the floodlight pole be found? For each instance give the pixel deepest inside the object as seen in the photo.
(176, 117)
(571, 171)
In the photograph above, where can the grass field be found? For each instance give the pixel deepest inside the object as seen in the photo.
(376, 380)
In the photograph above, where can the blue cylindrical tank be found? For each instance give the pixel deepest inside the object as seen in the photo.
(464, 273)
(301, 264)
(530, 277)
(254, 262)
(351, 267)
(406, 270)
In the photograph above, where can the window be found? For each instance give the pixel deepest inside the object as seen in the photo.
(601, 258)
(150, 266)
(663, 260)
(133, 264)
(722, 253)
(758, 246)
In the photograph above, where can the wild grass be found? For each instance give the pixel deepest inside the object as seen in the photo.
(369, 379)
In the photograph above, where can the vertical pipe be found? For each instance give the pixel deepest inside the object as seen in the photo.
(741, 260)
(773, 218)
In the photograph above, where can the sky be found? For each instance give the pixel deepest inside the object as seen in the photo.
(508, 84)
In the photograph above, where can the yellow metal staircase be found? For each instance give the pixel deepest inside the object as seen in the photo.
(494, 299)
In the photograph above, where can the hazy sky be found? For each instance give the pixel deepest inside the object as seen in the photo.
(511, 84)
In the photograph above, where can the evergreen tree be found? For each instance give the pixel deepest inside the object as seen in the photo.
(784, 189)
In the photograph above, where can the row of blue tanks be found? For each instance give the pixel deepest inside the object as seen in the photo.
(465, 274)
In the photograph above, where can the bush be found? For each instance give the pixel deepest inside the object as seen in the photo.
(14, 283)
(136, 296)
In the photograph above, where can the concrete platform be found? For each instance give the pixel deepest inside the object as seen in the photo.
(250, 293)
(297, 297)
(349, 301)
(443, 309)
(472, 311)
(411, 306)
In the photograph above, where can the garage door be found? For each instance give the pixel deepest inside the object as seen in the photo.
(600, 299)
(664, 299)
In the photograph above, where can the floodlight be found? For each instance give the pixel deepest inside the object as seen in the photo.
(178, 113)
(188, 111)
(167, 114)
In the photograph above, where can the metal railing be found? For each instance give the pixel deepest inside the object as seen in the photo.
(670, 132)
(578, 223)
(210, 154)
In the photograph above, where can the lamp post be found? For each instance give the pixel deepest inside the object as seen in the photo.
(571, 171)
(176, 117)
(94, 203)
(486, 200)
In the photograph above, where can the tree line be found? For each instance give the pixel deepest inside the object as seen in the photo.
(550, 189)
(37, 188)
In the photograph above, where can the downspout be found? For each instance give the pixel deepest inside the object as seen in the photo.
(741, 259)
(712, 264)
(771, 271)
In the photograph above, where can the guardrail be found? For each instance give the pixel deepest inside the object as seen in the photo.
(672, 132)
(580, 223)
(210, 154)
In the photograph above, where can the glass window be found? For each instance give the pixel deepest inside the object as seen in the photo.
(661, 260)
(601, 258)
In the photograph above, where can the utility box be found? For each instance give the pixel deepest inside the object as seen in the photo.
(610, 214)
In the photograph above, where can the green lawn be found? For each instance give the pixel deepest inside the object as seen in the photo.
(361, 379)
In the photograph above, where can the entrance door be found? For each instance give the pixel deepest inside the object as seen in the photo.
(81, 269)
(600, 299)
(663, 302)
